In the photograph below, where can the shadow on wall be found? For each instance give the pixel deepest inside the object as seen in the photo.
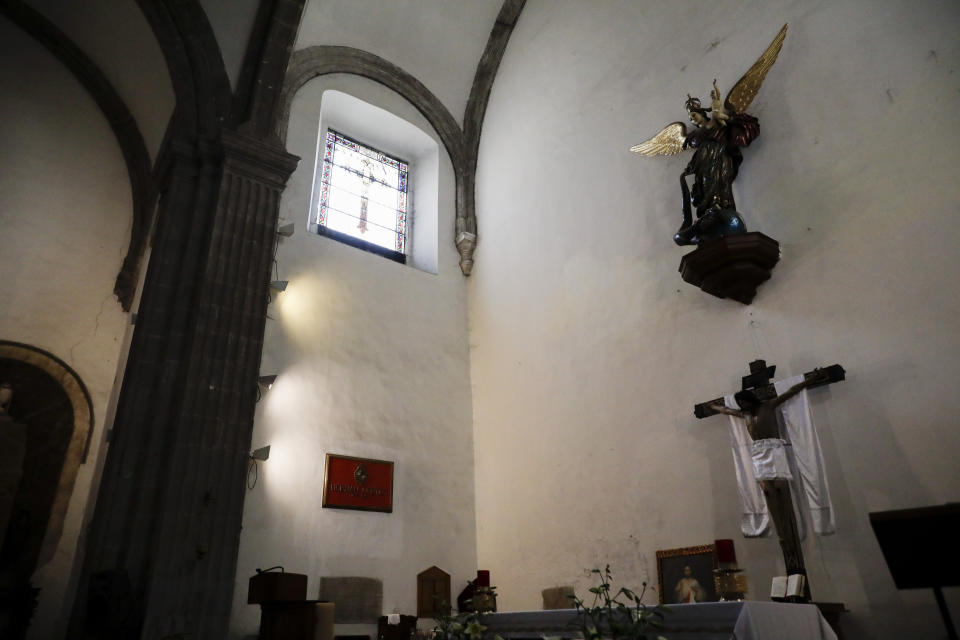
(868, 474)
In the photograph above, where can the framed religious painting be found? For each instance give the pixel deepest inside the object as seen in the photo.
(357, 483)
(686, 574)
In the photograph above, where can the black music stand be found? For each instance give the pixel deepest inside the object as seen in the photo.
(919, 546)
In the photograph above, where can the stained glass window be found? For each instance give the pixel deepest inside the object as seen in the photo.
(363, 193)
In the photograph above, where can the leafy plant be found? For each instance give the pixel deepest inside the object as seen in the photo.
(464, 625)
(617, 615)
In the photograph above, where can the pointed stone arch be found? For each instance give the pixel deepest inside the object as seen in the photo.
(307, 64)
(461, 144)
(312, 62)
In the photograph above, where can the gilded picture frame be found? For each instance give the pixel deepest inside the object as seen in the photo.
(677, 585)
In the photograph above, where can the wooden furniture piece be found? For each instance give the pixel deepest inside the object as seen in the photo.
(404, 629)
(433, 593)
(274, 586)
(285, 612)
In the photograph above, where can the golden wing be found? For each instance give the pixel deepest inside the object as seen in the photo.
(743, 93)
(668, 142)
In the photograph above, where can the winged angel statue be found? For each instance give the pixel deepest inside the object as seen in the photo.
(720, 132)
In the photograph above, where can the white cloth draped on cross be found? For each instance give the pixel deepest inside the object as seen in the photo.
(795, 457)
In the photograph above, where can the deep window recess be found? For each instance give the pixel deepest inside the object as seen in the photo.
(363, 197)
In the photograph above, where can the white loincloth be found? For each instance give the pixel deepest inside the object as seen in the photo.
(770, 460)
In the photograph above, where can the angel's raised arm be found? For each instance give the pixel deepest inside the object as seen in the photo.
(717, 110)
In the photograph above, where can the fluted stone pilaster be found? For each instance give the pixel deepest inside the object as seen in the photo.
(169, 510)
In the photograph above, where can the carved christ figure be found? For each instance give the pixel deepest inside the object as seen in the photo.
(720, 132)
(770, 461)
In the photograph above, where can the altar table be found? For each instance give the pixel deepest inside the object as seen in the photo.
(750, 620)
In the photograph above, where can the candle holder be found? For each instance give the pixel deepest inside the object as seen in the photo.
(729, 581)
(485, 600)
(730, 584)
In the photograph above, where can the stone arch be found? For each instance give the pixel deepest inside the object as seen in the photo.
(461, 144)
(195, 63)
(312, 62)
(50, 398)
(307, 64)
(121, 122)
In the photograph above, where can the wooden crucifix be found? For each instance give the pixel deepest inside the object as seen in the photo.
(758, 401)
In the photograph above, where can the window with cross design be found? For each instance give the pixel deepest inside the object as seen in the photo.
(363, 197)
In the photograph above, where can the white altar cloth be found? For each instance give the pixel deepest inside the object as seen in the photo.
(750, 620)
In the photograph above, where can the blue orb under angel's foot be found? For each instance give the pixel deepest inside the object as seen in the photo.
(715, 223)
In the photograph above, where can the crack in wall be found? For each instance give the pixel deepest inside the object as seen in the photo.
(93, 333)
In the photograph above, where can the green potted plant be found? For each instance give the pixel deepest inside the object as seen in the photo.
(617, 615)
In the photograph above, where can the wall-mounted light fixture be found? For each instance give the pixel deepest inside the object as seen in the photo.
(285, 230)
(260, 454)
(267, 381)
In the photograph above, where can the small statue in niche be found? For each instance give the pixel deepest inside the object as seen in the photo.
(720, 132)
(6, 397)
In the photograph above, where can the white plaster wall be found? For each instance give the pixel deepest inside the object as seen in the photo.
(119, 40)
(373, 362)
(65, 211)
(438, 42)
(588, 351)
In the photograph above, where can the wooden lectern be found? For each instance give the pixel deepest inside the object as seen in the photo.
(285, 612)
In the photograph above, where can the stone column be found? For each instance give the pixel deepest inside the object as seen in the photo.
(162, 547)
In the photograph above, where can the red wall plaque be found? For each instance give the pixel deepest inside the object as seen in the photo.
(358, 483)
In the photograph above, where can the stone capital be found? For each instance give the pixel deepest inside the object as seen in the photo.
(261, 159)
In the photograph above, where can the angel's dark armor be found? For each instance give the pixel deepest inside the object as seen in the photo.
(714, 166)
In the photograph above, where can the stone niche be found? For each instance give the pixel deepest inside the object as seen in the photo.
(48, 423)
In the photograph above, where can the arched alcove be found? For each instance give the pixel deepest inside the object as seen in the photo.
(51, 401)
(381, 128)
(44, 431)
